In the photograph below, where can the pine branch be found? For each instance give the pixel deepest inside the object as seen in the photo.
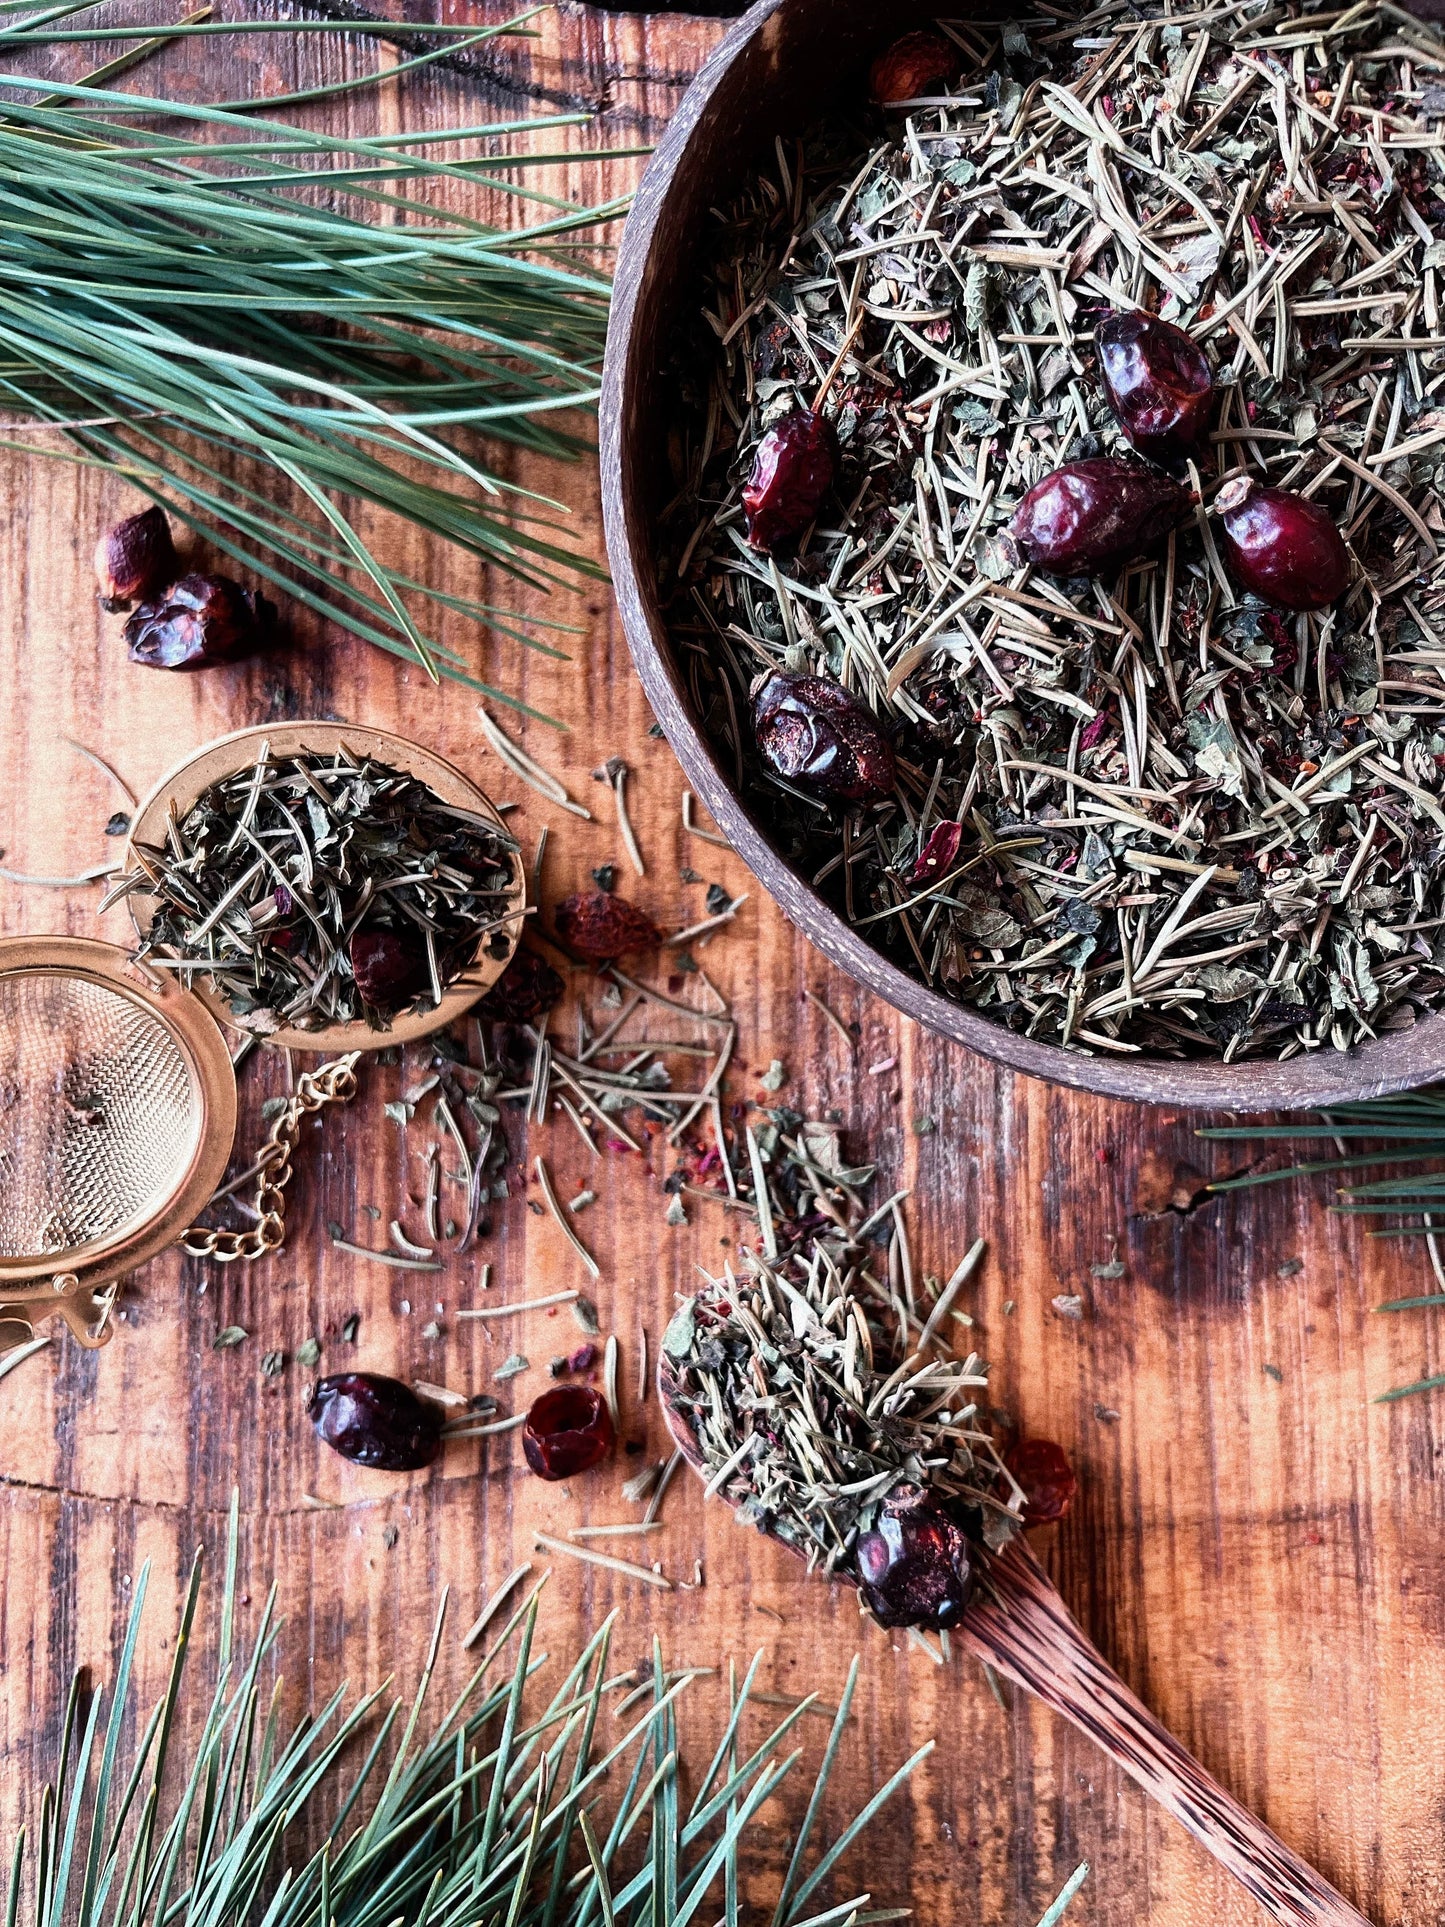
(266, 326)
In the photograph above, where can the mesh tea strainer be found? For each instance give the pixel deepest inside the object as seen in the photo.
(117, 1090)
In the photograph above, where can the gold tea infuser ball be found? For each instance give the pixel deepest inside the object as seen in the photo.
(117, 1087)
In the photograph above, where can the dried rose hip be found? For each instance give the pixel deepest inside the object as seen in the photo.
(1158, 382)
(792, 472)
(1043, 1471)
(1091, 514)
(1281, 545)
(914, 1566)
(527, 987)
(568, 1430)
(812, 732)
(918, 64)
(938, 854)
(198, 620)
(136, 558)
(376, 1421)
(389, 969)
(601, 928)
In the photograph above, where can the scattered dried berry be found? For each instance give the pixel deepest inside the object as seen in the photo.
(568, 1430)
(917, 65)
(1046, 1477)
(526, 988)
(1091, 514)
(601, 928)
(938, 855)
(1159, 384)
(390, 970)
(792, 472)
(200, 619)
(1281, 545)
(813, 733)
(136, 558)
(914, 1565)
(376, 1421)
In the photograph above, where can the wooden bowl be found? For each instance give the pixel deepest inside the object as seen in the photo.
(184, 785)
(773, 74)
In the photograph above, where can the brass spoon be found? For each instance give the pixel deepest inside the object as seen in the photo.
(1027, 1633)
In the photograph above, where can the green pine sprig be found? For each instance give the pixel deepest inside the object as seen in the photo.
(264, 326)
(1404, 1130)
(492, 1815)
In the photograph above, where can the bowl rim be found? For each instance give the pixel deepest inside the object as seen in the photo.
(1396, 1061)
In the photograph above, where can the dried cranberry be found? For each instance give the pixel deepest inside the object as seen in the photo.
(526, 988)
(136, 558)
(792, 472)
(568, 1430)
(376, 1421)
(914, 1566)
(1281, 545)
(390, 970)
(1094, 513)
(198, 620)
(938, 854)
(812, 732)
(1042, 1469)
(1159, 384)
(601, 928)
(918, 64)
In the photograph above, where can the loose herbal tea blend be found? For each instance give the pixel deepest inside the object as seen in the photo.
(827, 1403)
(321, 889)
(1167, 738)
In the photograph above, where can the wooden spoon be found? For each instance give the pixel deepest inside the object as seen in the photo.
(1026, 1632)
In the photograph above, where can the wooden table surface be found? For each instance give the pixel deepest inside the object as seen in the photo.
(1256, 1546)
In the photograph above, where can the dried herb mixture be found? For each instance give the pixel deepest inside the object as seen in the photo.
(1143, 809)
(324, 889)
(827, 1401)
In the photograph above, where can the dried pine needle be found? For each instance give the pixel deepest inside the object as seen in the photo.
(624, 1566)
(544, 1178)
(494, 1604)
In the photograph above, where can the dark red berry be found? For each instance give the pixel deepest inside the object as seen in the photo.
(914, 1566)
(938, 854)
(376, 1421)
(1282, 546)
(1043, 1471)
(136, 558)
(1095, 513)
(792, 472)
(812, 732)
(601, 928)
(919, 64)
(526, 988)
(200, 619)
(1159, 383)
(568, 1430)
(390, 970)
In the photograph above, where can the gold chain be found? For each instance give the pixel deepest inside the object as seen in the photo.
(334, 1083)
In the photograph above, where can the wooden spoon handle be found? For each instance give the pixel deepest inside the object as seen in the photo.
(1027, 1633)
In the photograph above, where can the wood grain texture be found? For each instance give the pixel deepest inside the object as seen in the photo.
(1256, 1548)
